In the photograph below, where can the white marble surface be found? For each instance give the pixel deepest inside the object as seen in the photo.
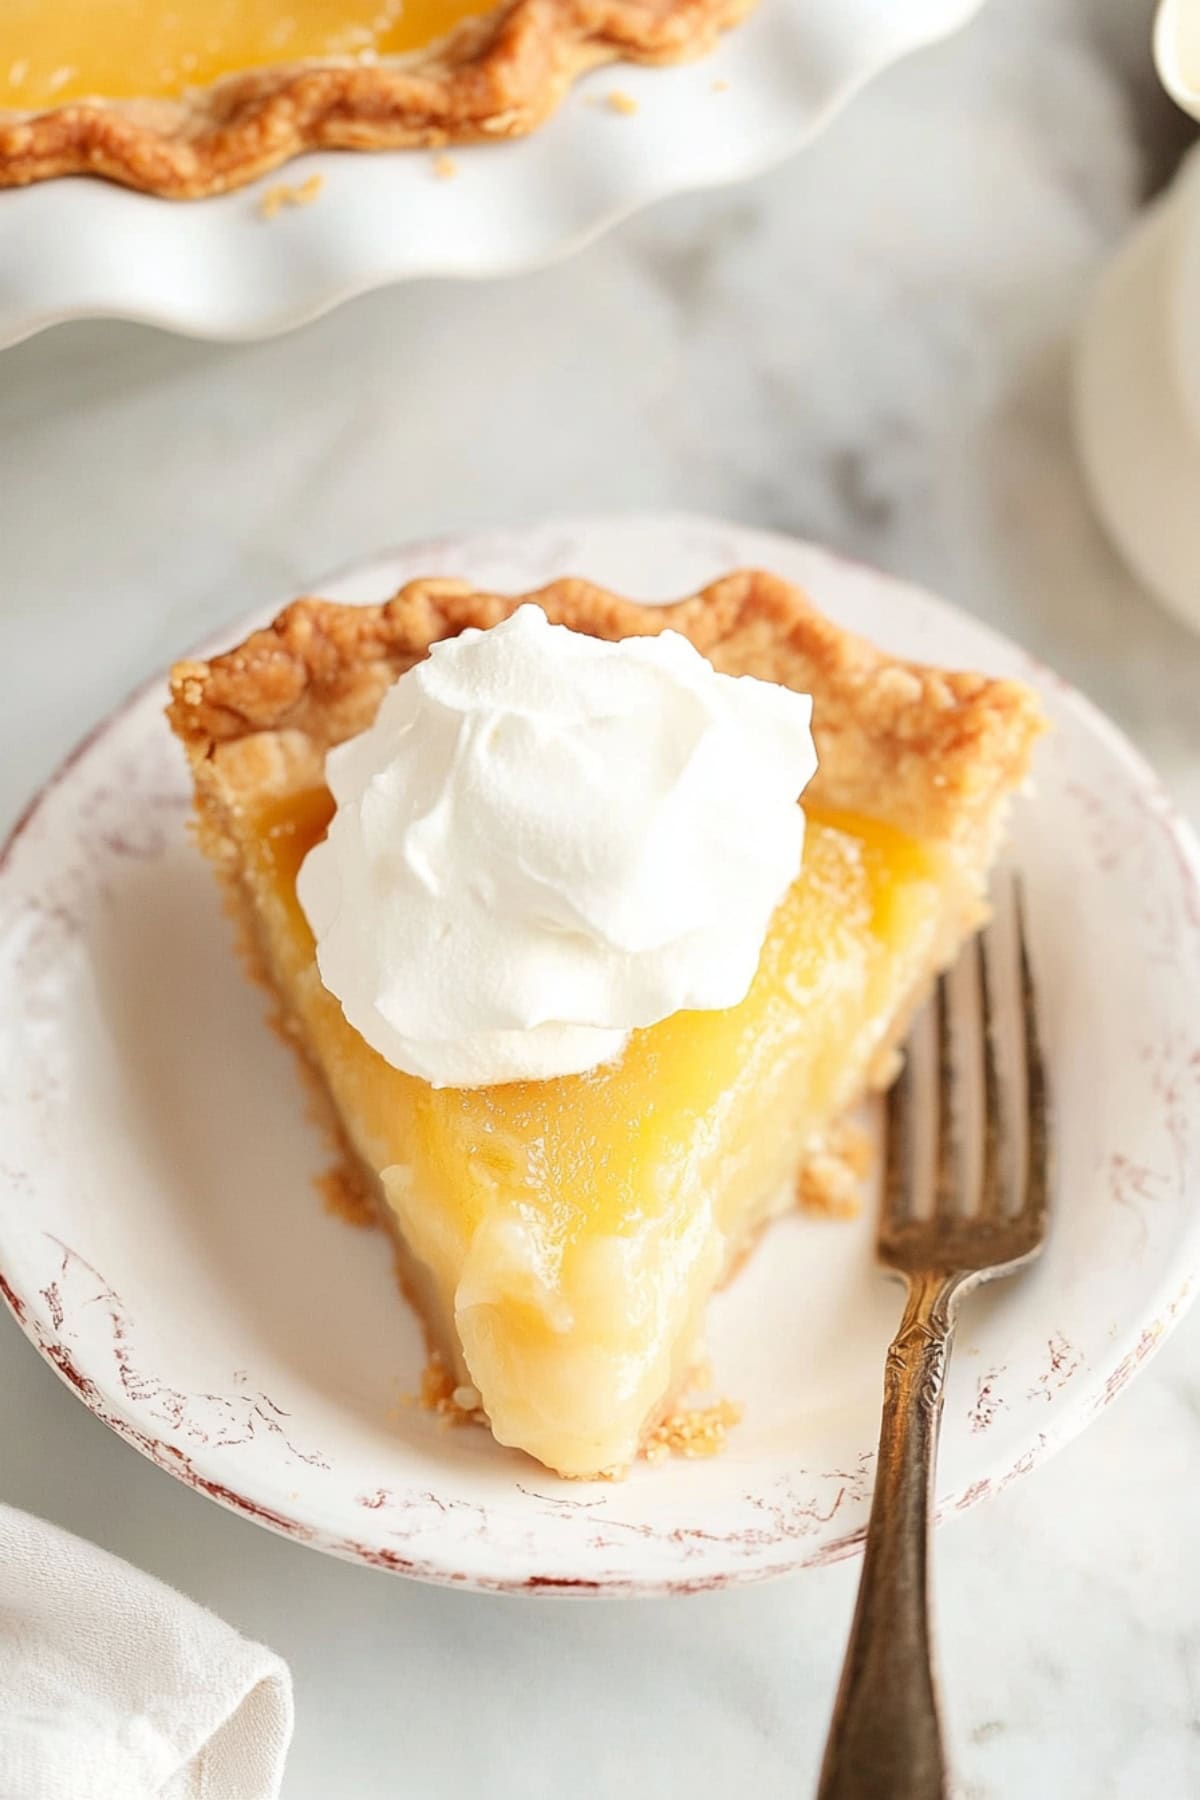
(868, 346)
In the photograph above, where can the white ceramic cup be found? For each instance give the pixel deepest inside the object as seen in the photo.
(1177, 52)
(1137, 375)
(1137, 397)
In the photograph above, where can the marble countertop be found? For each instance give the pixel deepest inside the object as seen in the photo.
(869, 346)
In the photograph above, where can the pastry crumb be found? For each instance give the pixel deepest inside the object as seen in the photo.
(289, 193)
(829, 1181)
(452, 1402)
(720, 87)
(692, 1431)
(687, 1431)
(346, 1198)
(618, 102)
(444, 168)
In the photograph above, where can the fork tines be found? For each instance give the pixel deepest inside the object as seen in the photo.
(1008, 1127)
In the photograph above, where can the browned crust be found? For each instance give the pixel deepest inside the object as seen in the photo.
(492, 77)
(927, 750)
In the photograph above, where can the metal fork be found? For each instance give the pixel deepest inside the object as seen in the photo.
(885, 1741)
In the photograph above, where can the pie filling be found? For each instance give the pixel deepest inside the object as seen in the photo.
(124, 49)
(567, 1234)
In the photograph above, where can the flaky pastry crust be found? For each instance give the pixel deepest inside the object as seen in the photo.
(496, 76)
(930, 751)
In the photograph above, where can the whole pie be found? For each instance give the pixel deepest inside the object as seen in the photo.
(561, 1238)
(192, 97)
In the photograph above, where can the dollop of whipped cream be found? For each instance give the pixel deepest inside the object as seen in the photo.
(545, 841)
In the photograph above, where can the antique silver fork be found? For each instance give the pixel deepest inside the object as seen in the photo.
(885, 1741)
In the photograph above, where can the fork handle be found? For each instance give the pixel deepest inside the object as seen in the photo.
(885, 1742)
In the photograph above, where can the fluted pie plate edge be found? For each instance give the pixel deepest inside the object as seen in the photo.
(216, 268)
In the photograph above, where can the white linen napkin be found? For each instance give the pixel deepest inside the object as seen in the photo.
(115, 1687)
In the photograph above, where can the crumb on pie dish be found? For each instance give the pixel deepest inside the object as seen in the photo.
(200, 96)
(561, 1237)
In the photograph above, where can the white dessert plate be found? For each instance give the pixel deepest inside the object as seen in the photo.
(162, 1244)
(217, 269)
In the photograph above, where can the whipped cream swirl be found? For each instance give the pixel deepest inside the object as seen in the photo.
(545, 841)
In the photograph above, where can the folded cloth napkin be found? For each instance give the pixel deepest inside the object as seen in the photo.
(114, 1687)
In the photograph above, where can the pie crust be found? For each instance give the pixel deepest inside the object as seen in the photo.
(926, 750)
(494, 76)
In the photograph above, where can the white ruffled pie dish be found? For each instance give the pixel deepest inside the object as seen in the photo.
(162, 1244)
(216, 268)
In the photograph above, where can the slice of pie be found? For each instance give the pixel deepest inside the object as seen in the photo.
(561, 1238)
(192, 97)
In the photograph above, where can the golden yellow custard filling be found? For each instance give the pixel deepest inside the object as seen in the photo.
(571, 1231)
(55, 51)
